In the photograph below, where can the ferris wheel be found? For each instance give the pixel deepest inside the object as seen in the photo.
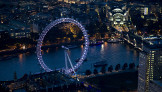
(83, 55)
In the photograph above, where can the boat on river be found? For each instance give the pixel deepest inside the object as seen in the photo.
(113, 41)
(71, 46)
(94, 43)
(100, 63)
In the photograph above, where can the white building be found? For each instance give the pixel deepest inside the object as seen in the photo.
(118, 16)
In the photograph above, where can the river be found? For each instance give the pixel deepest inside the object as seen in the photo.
(114, 53)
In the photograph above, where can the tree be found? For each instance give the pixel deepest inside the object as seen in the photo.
(103, 70)
(130, 66)
(110, 68)
(124, 66)
(15, 76)
(88, 72)
(95, 71)
(117, 68)
(133, 65)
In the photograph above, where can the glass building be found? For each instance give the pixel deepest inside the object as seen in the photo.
(150, 64)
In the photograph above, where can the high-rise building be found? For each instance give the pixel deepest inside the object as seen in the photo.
(150, 64)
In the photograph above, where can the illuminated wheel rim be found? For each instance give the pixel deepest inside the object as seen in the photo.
(44, 32)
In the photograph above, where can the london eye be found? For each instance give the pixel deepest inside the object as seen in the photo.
(43, 34)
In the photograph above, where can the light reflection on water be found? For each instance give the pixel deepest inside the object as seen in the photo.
(114, 53)
(20, 58)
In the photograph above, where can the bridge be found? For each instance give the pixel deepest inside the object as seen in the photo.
(134, 39)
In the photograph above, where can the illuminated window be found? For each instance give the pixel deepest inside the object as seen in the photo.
(153, 51)
(12, 34)
(160, 58)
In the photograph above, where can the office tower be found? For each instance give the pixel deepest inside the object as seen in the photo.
(150, 64)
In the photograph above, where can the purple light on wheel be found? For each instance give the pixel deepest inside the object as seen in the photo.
(44, 32)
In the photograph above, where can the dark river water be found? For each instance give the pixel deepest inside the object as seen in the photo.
(114, 53)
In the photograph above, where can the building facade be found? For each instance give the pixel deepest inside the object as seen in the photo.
(118, 15)
(150, 66)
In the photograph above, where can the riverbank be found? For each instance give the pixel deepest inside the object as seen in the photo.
(117, 82)
(33, 49)
(45, 47)
(54, 81)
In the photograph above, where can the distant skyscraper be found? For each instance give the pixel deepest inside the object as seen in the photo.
(150, 65)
